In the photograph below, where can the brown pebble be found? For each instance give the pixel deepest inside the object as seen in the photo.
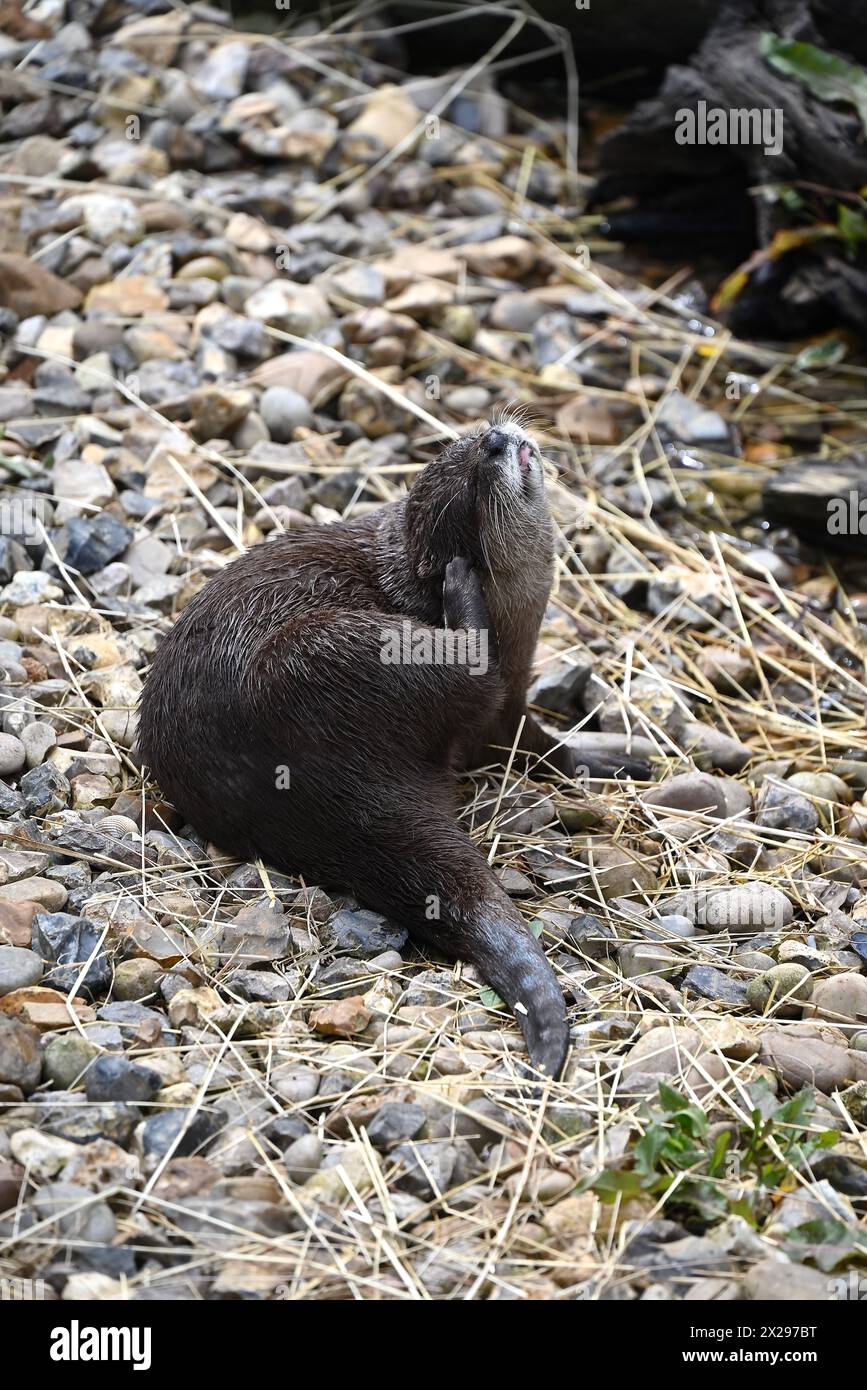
(341, 1019)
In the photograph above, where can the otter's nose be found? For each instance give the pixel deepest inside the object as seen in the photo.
(495, 442)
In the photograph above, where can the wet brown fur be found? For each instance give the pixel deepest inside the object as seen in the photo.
(277, 663)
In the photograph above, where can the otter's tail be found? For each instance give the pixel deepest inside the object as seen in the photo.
(443, 891)
(514, 964)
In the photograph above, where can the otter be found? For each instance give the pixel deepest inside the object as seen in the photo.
(313, 702)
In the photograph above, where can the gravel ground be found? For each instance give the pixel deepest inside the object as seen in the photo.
(248, 286)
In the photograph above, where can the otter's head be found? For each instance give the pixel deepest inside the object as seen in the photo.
(483, 497)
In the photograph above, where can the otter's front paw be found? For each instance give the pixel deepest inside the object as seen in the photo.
(463, 600)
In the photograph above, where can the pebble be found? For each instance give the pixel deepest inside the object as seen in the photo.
(107, 218)
(92, 1287)
(66, 943)
(855, 1100)
(29, 289)
(303, 1158)
(745, 907)
(21, 863)
(363, 284)
(789, 982)
(66, 1058)
(37, 739)
(710, 983)
(823, 786)
(16, 922)
(71, 1117)
(342, 1019)
(20, 1062)
(80, 484)
(260, 986)
(181, 1132)
(808, 1059)
(44, 789)
(44, 1155)
(296, 1084)
(841, 999)
(12, 755)
(393, 1124)
(45, 1008)
(90, 543)
(779, 1281)
(362, 934)
(18, 968)
(283, 411)
(49, 894)
(136, 979)
(504, 258)
(782, 807)
(119, 1079)
(754, 960)
(74, 1216)
(221, 76)
(260, 932)
(689, 422)
(690, 791)
(645, 958)
(664, 1051)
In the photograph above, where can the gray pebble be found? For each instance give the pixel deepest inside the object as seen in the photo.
(119, 1079)
(303, 1157)
(12, 755)
(45, 789)
(283, 410)
(66, 1058)
(18, 968)
(394, 1124)
(38, 739)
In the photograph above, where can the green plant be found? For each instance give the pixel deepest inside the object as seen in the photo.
(828, 77)
(677, 1160)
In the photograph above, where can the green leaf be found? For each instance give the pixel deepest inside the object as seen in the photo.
(614, 1181)
(720, 1149)
(822, 354)
(743, 1208)
(649, 1149)
(536, 927)
(791, 199)
(693, 1121)
(781, 193)
(491, 999)
(825, 1230)
(797, 1110)
(852, 224)
(670, 1099)
(826, 1138)
(829, 78)
(826, 1242)
(770, 1175)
